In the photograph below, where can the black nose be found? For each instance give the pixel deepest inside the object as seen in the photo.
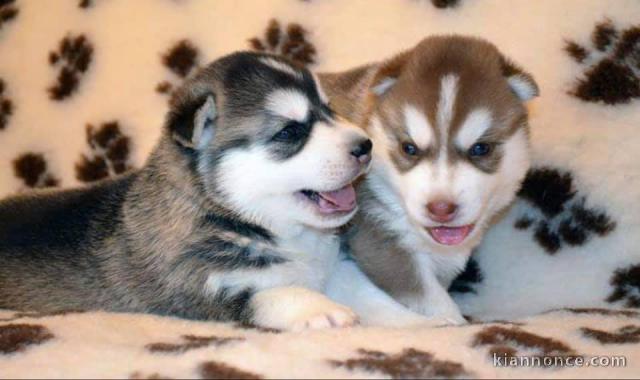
(362, 150)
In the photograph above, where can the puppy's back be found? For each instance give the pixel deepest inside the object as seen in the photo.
(46, 237)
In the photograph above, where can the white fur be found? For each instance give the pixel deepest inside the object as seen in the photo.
(288, 103)
(475, 125)
(522, 87)
(205, 116)
(296, 309)
(418, 127)
(280, 66)
(383, 86)
(349, 286)
(268, 195)
(446, 104)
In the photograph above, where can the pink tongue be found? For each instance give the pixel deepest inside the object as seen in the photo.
(450, 235)
(339, 200)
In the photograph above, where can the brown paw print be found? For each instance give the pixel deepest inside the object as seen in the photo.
(181, 59)
(85, 4)
(626, 286)
(6, 106)
(624, 335)
(291, 43)
(442, 4)
(18, 337)
(191, 342)
(31, 168)
(561, 216)
(408, 364)
(218, 370)
(109, 153)
(612, 65)
(8, 11)
(509, 342)
(72, 59)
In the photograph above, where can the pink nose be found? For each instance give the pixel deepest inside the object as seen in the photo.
(442, 211)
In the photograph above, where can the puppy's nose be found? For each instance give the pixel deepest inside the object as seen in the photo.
(362, 151)
(442, 211)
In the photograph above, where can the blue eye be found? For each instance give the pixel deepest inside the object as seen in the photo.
(479, 149)
(292, 131)
(409, 149)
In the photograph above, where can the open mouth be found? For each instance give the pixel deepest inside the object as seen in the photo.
(338, 201)
(450, 235)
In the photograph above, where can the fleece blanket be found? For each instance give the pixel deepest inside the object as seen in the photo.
(84, 86)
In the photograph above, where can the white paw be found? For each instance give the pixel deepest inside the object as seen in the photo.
(324, 316)
(297, 309)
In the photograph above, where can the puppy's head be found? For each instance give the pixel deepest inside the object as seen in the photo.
(450, 134)
(264, 142)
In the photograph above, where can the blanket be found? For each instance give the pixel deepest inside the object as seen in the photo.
(84, 86)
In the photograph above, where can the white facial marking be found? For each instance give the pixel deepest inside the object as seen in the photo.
(448, 92)
(475, 125)
(290, 104)
(384, 85)
(418, 126)
(280, 66)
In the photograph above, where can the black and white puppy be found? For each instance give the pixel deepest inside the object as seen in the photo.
(233, 216)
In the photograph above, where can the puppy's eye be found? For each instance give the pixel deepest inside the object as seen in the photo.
(409, 149)
(479, 149)
(291, 132)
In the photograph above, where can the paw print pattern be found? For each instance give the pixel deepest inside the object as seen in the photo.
(109, 153)
(6, 106)
(31, 168)
(72, 59)
(505, 343)
(626, 286)
(467, 281)
(612, 65)
(560, 215)
(181, 59)
(443, 4)
(629, 334)
(291, 43)
(8, 11)
(408, 364)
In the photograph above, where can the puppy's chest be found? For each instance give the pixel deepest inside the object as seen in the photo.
(314, 254)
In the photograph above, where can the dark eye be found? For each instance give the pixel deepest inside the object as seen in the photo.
(291, 131)
(479, 149)
(409, 149)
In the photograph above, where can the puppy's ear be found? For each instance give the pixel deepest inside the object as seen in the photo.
(349, 90)
(193, 123)
(522, 83)
(346, 89)
(388, 73)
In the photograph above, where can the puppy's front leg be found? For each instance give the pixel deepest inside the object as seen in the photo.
(296, 308)
(437, 303)
(351, 287)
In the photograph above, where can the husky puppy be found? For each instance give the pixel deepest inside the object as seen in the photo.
(451, 148)
(232, 217)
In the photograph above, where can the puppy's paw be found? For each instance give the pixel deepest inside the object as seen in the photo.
(325, 316)
(297, 309)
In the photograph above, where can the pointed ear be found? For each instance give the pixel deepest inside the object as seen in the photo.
(192, 124)
(388, 74)
(346, 89)
(522, 83)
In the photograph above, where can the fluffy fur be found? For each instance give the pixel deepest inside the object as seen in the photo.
(449, 128)
(225, 220)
